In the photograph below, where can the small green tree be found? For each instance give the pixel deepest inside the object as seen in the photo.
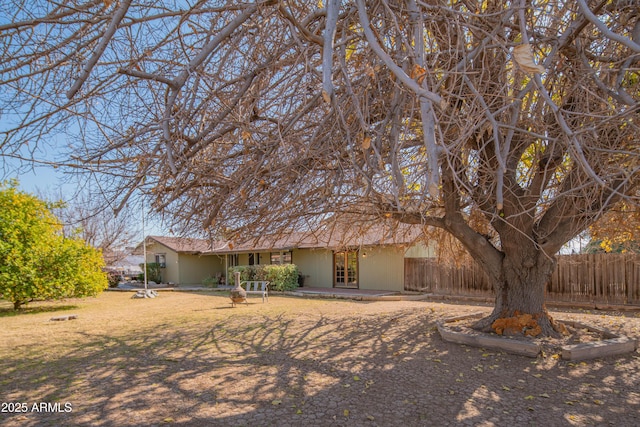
(36, 261)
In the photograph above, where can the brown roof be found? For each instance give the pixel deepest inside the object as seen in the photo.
(184, 244)
(334, 238)
(328, 238)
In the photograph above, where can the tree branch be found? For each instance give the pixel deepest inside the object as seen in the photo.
(148, 76)
(605, 30)
(476, 244)
(333, 8)
(111, 30)
(395, 69)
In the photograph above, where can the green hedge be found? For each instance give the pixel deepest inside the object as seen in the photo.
(281, 277)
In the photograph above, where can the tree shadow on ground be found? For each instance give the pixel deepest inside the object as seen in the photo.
(9, 312)
(315, 370)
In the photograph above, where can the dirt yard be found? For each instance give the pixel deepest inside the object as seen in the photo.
(189, 359)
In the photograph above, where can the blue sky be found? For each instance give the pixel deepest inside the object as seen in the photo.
(42, 181)
(50, 183)
(39, 180)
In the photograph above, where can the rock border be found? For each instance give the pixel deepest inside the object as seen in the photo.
(610, 346)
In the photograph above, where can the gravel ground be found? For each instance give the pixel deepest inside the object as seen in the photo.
(324, 363)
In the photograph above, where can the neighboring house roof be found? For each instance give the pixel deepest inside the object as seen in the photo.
(134, 260)
(115, 258)
(329, 238)
(124, 262)
(131, 263)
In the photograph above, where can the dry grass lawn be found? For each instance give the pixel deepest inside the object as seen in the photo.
(191, 359)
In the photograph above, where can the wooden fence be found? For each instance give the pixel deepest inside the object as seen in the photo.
(592, 278)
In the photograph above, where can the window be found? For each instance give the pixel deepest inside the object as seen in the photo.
(161, 260)
(281, 257)
(233, 260)
(254, 258)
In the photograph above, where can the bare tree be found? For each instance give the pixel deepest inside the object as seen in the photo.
(91, 219)
(511, 125)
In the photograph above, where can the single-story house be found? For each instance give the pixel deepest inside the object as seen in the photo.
(368, 260)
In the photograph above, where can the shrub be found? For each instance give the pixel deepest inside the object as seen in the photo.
(280, 277)
(114, 278)
(212, 281)
(232, 275)
(153, 273)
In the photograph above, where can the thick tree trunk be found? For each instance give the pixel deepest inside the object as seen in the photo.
(519, 269)
(520, 295)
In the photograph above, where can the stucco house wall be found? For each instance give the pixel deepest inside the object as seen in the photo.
(184, 269)
(381, 268)
(172, 272)
(421, 250)
(316, 265)
(194, 269)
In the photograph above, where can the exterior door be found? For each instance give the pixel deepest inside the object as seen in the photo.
(345, 269)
